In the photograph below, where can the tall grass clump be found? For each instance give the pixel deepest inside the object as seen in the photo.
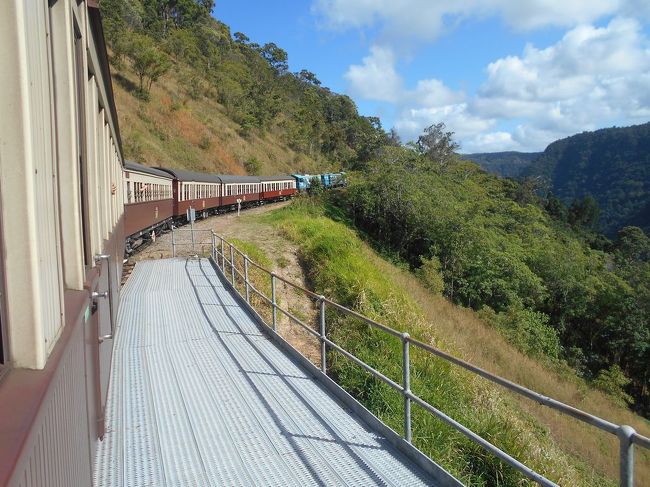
(339, 265)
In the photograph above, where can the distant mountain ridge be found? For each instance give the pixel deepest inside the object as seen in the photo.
(509, 164)
(612, 165)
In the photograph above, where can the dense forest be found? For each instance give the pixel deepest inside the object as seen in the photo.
(251, 82)
(611, 165)
(556, 290)
(509, 164)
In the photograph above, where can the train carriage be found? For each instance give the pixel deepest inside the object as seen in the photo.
(200, 191)
(149, 202)
(246, 189)
(275, 188)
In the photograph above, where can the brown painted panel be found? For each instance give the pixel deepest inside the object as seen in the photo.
(246, 198)
(140, 216)
(267, 195)
(198, 204)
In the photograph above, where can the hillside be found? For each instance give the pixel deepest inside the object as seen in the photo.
(486, 244)
(612, 165)
(509, 164)
(191, 94)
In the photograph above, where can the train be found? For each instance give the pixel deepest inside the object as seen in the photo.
(158, 198)
(70, 208)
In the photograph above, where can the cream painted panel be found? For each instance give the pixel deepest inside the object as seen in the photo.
(46, 188)
(92, 176)
(67, 149)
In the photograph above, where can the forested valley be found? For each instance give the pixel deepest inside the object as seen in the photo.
(530, 265)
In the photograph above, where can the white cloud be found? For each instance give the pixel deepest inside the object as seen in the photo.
(491, 142)
(427, 19)
(375, 78)
(592, 77)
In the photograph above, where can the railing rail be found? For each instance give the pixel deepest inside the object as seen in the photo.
(627, 436)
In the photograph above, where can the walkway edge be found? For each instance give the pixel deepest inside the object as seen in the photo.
(411, 452)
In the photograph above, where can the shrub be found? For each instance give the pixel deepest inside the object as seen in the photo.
(430, 275)
(613, 381)
(253, 166)
(528, 330)
(204, 143)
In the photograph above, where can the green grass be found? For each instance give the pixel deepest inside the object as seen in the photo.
(342, 267)
(258, 278)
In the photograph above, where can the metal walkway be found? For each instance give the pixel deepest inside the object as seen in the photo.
(200, 396)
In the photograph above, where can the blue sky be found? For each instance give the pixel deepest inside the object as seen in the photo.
(502, 74)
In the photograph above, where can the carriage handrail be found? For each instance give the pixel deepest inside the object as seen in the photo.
(627, 436)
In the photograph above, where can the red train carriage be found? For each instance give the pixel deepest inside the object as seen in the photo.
(197, 190)
(246, 189)
(149, 204)
(276, 188)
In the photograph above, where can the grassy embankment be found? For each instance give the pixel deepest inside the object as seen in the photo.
(341, 266)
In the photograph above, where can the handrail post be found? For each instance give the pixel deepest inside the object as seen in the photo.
(213, 238)
(274, 303)
(232, 266)
(323, 348)
(223, 258)
(625, 434)
(406, 376)
(192, 232)
(173, 241)
(248, 291)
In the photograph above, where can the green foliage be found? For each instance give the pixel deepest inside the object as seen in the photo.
(315, 186)
(147, 61)
(528, 330)
(253, 166)
(550, 288)
(613, 382)
(429, 273)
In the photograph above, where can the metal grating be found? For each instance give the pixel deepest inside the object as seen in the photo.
(200, 396)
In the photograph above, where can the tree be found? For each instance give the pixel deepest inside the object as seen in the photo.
(241, 38)
(148, 61)
(393, 138)
(633, 245)
(555, 207)
(308, 77)
(437, 145)
(584, 213)
(276, 57)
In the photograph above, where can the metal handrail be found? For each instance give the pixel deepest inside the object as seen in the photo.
(627, 436)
